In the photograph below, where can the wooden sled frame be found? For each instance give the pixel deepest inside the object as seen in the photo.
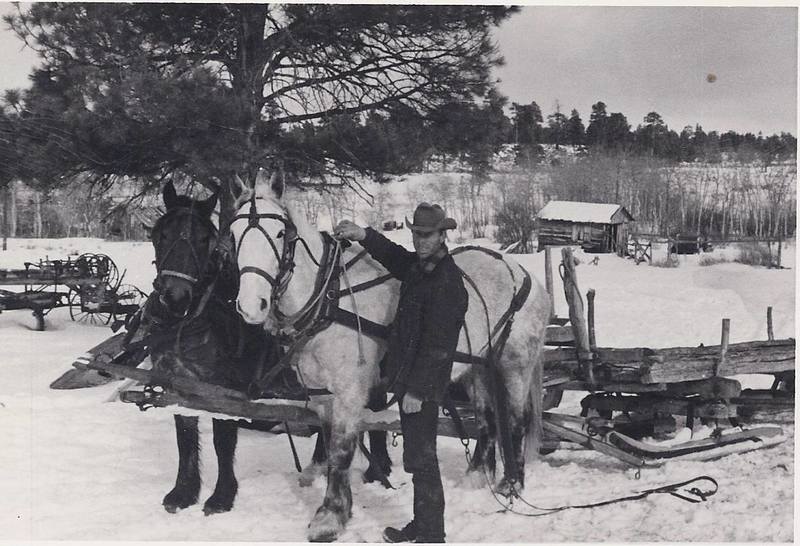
(687, 380)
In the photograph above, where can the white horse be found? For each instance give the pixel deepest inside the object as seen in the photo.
(283, 280)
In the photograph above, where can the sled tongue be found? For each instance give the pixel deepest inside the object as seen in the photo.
(82, 377)
(700, 450)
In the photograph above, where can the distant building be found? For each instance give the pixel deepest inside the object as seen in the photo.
(596, 227)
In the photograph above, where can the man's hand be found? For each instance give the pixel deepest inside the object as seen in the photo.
(348, 230)
(411, 404)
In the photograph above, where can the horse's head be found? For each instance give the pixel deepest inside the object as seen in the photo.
(264, 236)
(183, 239)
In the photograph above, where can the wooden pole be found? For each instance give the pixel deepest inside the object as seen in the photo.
(590, 319)
(770, 332)
(548, 278)
(723, 346)
(576, 315)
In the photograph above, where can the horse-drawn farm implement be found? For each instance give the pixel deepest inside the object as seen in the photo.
(90, 285)
(644, 406)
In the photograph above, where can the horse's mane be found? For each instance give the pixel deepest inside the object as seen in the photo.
(299, 219)
(187, 202)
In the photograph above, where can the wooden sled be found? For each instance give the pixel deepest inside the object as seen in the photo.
(648, 386)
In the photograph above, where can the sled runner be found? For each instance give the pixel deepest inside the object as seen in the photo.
(599, 434)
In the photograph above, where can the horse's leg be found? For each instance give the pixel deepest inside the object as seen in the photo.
(483, 458)
(523, 398)
(335, 511)
(319, 461)
(515, 482)
(225, 437)
(187, 484)
(380, 465)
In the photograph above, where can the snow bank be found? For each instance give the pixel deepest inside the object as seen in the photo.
(75, 468)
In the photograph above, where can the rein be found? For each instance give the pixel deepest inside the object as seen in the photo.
(692, 495)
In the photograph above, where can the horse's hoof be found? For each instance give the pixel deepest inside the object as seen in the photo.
(213, 508)
(371, 474)
(222, 499)
(309, 474)
(178, 499)
(326, 526)
(508, 489)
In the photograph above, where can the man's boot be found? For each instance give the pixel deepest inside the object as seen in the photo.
(406, 534)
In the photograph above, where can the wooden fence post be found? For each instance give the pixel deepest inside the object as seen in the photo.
(723, 346)
(576, 315)
(590, 319)
(548, 278)
(770, 333)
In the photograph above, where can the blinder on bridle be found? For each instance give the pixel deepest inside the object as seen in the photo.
(285, 259)
(184, 237)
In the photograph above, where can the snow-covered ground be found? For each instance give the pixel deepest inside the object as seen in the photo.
(74, 467)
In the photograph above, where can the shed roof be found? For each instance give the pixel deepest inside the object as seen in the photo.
(577, 211)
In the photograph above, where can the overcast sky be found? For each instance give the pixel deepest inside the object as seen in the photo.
(643, 59)
(635, 59)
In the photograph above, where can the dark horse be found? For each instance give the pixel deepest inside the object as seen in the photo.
(193, 331)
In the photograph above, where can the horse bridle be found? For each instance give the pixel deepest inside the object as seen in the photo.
(285, 259)
(185, 238)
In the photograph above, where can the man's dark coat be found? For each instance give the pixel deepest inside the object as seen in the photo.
(430, 314)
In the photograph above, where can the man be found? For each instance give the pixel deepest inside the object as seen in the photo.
(422, 341)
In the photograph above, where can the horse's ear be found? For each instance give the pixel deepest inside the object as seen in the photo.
(276, 184)
(170, 195)
(207, 207)
(240, 191)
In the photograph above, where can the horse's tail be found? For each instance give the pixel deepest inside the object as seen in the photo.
(533, 439)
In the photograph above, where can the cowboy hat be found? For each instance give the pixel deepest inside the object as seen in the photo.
(429, 218)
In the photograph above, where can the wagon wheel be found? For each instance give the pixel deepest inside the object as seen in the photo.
(98, 266)
(127, 300)
(85, 305)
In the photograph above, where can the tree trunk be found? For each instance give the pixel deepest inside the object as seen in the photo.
(5, 193)
(37, 215)
(12, 230)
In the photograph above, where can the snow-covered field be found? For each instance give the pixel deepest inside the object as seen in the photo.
(75, 467)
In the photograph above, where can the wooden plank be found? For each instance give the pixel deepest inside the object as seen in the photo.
(613, 387)
(292, 413)
(648, 403)
(711, 388)
(676, 364)
(559, 335)
(182, 385)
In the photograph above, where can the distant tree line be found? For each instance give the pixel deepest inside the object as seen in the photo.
(475, 131)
